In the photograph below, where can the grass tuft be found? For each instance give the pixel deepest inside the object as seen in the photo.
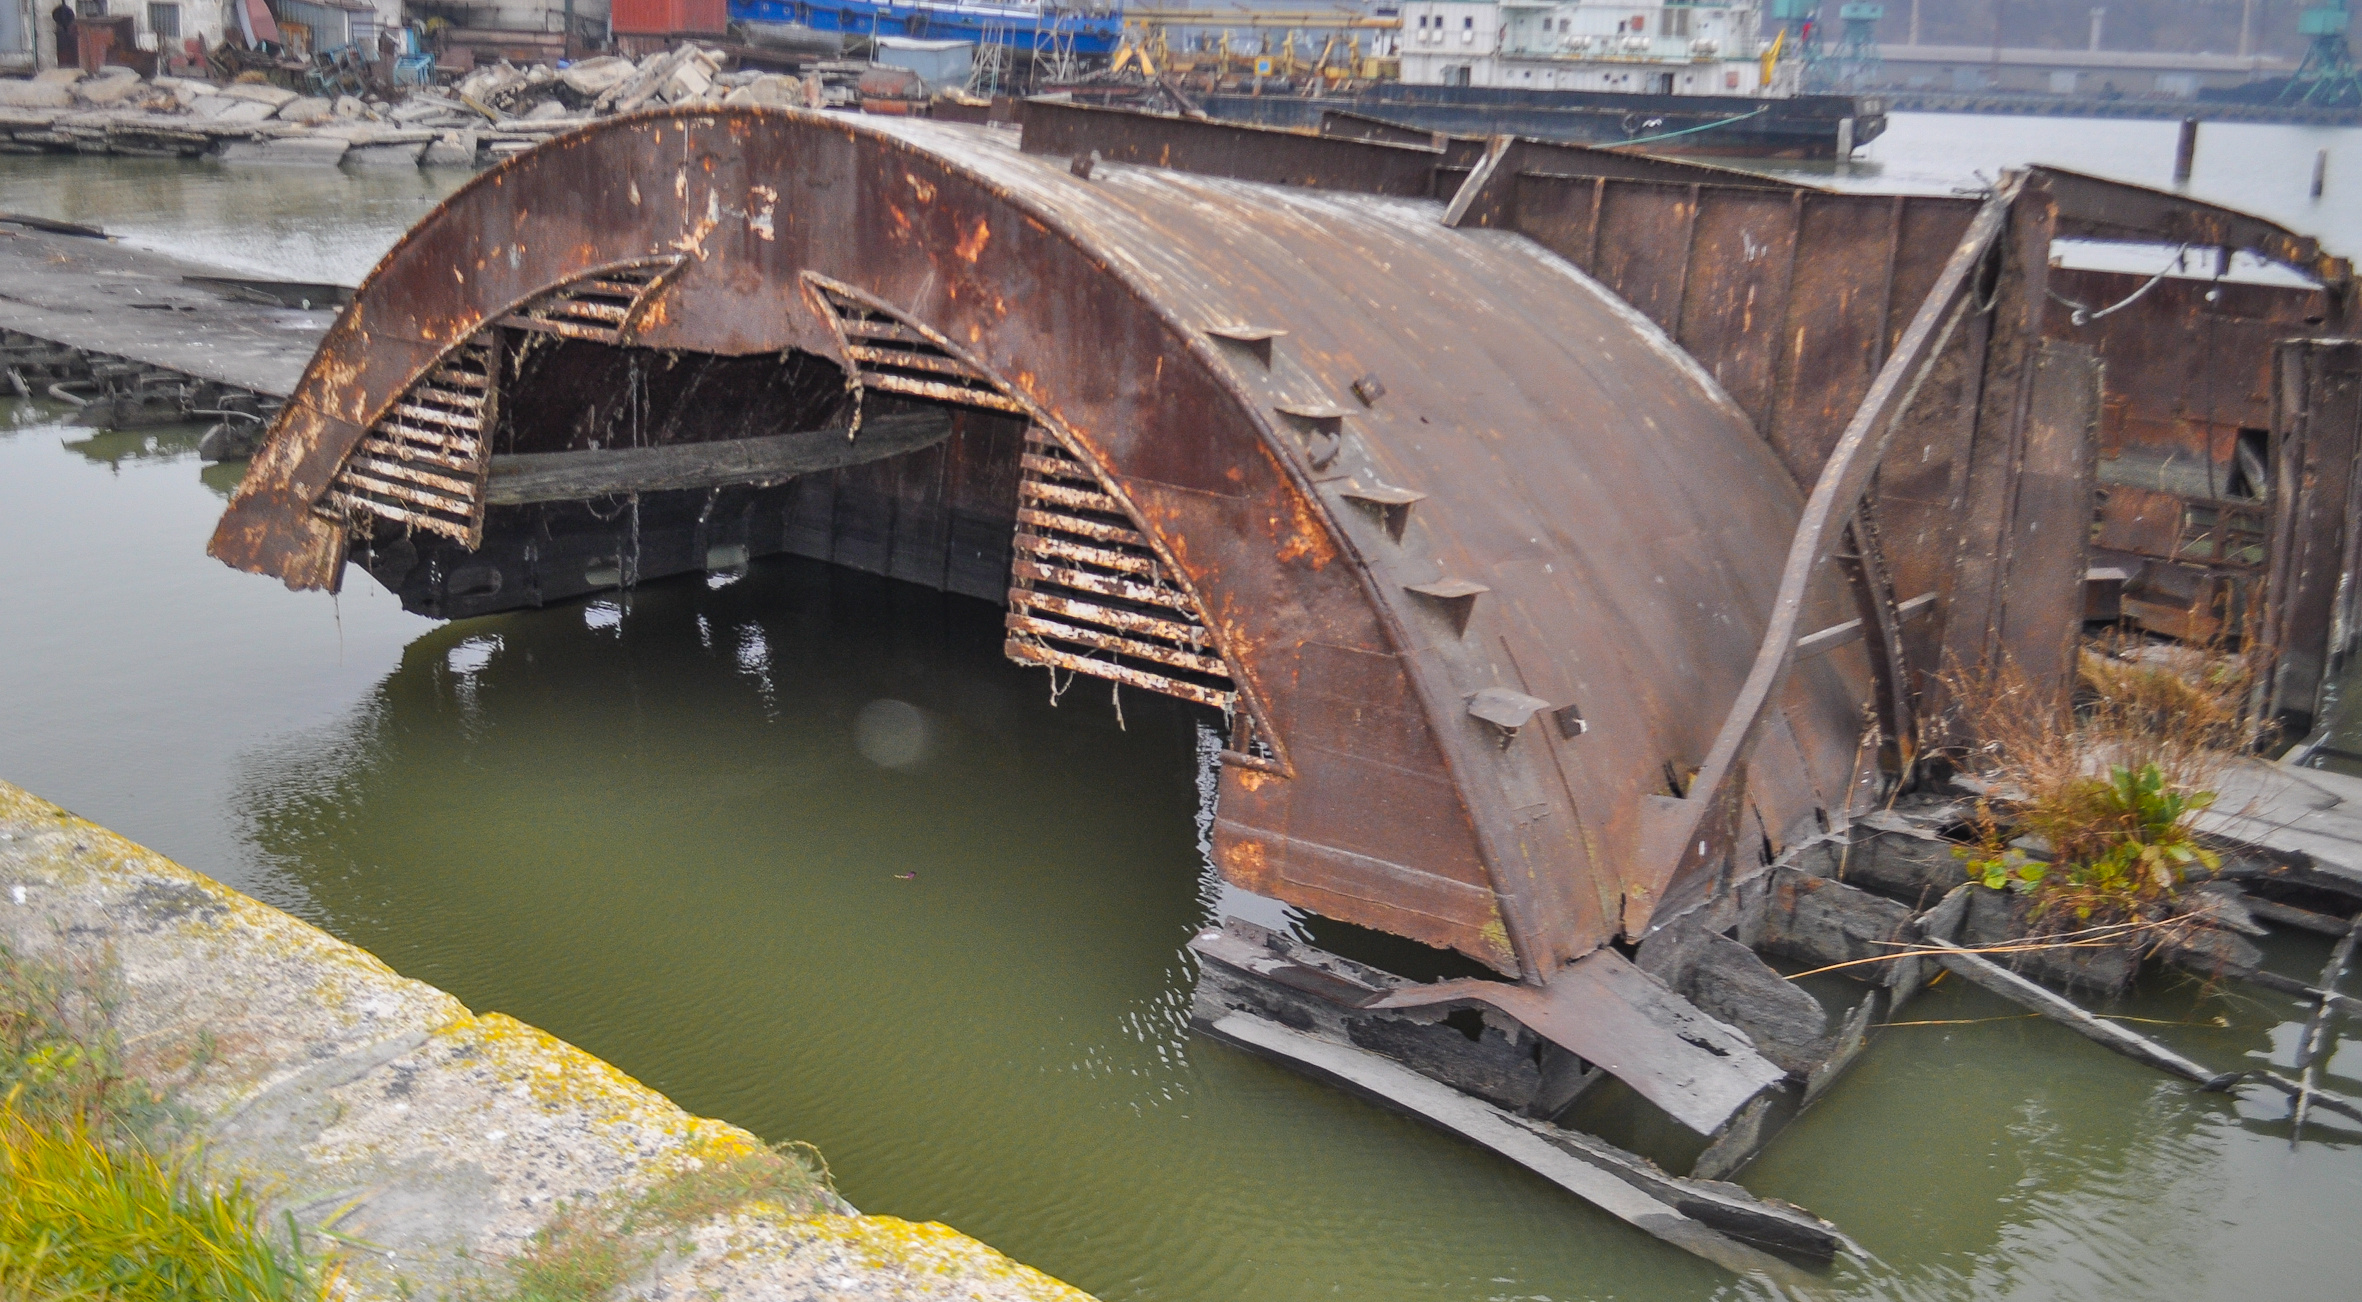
(81, 1218)
(102, 1196)
(586, 1252)
(2090, 802)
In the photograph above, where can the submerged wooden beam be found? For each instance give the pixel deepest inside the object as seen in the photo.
(1388, 1082)
(2026, 994)
(770, 459)
(2308, 1049)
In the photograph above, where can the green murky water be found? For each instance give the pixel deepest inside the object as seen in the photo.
(675, 831)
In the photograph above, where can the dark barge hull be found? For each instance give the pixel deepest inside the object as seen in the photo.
(1715, 126)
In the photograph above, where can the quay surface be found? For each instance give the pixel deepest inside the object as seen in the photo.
(382, 1109)
(105, 297)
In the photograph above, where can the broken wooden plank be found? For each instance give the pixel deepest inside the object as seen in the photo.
(2287, 985)
(2288, 915)
(771, 458)
(2308, 1048)
(1730, 1208)
(1394, 1085)
(2286, 1086)
(1699, 1070)
(2026, 994)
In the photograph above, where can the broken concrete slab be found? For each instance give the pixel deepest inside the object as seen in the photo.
(106, 92)
(35, 93)
(222, 108)
(306, 110)
(391, 150)
(451, 149)
(258, 93)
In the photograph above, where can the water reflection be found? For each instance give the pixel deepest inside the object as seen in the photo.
(805, 851)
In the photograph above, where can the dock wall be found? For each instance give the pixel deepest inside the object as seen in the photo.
(384, 1110)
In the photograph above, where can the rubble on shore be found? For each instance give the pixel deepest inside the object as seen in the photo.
(488, 114)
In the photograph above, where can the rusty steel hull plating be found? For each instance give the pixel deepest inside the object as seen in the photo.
(1623, 520)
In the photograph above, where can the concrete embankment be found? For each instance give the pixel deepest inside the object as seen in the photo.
(436, 1142)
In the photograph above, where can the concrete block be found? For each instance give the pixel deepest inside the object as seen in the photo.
(308, 109)
(395, 152)
(223, 109)
(107, 92)
(36, 93)
(451, 149)
(259, 93)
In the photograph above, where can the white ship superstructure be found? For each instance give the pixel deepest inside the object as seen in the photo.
(1635, 48)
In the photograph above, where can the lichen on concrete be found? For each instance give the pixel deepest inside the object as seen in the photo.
(434, 1142)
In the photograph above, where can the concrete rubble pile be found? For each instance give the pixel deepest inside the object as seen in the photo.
(487, 115)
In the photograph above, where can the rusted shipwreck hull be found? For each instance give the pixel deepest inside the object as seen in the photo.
(1566, 535)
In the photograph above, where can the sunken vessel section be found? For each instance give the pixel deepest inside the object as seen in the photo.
(1572, 542)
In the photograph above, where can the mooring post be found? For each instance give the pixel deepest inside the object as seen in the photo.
(2320, 170)
(1845, 140)
(2185, 151)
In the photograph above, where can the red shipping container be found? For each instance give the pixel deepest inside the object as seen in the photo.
(665, 17)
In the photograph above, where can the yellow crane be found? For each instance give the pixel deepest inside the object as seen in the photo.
(1147, 44)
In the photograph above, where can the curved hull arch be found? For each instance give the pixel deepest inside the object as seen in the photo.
(1400, 469)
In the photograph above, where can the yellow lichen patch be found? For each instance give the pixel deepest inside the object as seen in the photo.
(926, 1248)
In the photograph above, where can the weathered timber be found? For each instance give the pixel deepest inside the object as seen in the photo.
(2005, 919)
(1822, 922)
(2287, 985)
(1730, 1208)
(1700, 1070)
(2292, 1089)
(2288, 915)
(1727, 981)
(1850, 1040)
(1897, 856)
(1394, 1085)
(2026, 994)
(1244, 968)
(770, 459)
(2309, 822)
(2308, 1048)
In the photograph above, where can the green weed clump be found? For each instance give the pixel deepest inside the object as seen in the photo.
(2103, 789)
(584, 1253)
(82, 1218)
(102, 1196)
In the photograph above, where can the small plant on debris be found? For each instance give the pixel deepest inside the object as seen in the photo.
(2086, 808)
(101, 1196)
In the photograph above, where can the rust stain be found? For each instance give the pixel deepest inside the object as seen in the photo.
(972, 244)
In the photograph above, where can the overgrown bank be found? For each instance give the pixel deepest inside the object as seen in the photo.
(345, 1122)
